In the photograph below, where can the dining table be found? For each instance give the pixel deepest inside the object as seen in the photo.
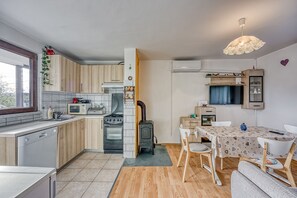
(231, 141)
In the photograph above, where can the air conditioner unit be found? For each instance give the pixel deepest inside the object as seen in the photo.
(186, 66)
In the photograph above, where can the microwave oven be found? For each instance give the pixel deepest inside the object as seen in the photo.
(78, 108)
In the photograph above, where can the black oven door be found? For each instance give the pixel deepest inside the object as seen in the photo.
(113, 138)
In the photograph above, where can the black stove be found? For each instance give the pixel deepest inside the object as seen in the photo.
(114, 119)
(113, 126)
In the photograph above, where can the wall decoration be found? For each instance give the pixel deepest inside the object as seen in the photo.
(45, 60)
(284, 62)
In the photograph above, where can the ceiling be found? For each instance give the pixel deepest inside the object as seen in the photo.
(161, 29)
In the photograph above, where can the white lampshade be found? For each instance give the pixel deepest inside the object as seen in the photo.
(243, 44)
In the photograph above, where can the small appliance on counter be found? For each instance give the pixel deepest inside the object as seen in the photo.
(78, 108)
(80, 100)
(97, 110)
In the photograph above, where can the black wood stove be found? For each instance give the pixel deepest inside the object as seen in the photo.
(146, 130)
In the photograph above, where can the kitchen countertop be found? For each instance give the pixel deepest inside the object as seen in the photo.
(17, 181)
(26, 128)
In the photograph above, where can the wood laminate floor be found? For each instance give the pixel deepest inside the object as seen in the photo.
(142, 182)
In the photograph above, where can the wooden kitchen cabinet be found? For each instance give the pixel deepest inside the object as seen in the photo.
(91, 78)
(63, 75)
(57, 74)
(85, 79)
(97, 78)
(70, 141)
(8, 151)
(94, 134)
(113, 73)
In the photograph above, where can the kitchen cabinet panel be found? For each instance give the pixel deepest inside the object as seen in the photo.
(85, 79)
(56, 74)
(8, 151)
(63, 75)
(113, 73)
(97, 78)
(94, 134)
(70, 141)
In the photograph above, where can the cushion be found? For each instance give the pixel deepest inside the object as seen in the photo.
(264, 181)
(197, 147)
(242, 187)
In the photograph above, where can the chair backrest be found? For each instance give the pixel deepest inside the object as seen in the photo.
(184, 133)
(291, 128)
(221, 123)
(276, 147)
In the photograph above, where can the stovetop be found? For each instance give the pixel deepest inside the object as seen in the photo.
(114, 119)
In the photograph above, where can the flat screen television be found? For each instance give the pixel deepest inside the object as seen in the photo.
(225, 95)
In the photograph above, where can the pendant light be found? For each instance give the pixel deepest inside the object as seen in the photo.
(243, 44)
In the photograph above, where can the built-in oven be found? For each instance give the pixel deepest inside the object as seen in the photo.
(207, 119)
(113, 134)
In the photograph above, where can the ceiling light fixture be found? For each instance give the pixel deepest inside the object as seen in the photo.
(243, 44)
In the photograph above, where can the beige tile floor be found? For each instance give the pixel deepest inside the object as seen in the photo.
(90, 175)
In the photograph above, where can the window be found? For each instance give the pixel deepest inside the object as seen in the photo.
(18, 79)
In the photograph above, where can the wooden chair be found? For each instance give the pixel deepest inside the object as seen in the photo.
(291, 129)
(190, 149)
(221, 123)
(276, 147)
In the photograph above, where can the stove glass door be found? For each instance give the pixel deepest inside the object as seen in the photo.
(114, 133)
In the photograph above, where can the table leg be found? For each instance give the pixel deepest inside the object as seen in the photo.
(218, 181)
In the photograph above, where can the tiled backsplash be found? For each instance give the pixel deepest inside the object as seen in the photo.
(59, 100)
(11, 119)
(56, 100)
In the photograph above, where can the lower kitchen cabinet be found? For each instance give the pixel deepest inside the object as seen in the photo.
(94, 134)
(70, 141)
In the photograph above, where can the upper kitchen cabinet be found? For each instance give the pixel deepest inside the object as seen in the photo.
(57, 74)
(113, 73)
(253, 89)
(85, 79)
(97, 78)
(64, 75)
(91, 78)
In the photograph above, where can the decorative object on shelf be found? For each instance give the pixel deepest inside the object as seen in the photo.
(243, 44)
(284, 62)
(49, 50)
(129, 94)
(243, 127)
(45, 69)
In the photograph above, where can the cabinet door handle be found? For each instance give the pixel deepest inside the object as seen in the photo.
(208, 111)
(81, 86)
(101, 124)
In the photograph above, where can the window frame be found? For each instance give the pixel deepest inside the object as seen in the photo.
(33, 78)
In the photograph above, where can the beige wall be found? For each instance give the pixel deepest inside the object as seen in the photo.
(171, 95)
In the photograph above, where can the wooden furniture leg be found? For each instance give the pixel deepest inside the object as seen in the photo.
(263, 165)
(222, 163)
(211, 168)
(287, 165)
(180, 156)
(186, 165)
(201, 162)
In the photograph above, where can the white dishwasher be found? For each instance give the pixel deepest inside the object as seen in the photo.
(38, 149)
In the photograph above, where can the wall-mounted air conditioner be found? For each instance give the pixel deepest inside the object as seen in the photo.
(186, 66)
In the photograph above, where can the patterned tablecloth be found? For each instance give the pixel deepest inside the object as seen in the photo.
(232, 142)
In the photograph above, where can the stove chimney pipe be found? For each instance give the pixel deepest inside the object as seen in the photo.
(143, 110)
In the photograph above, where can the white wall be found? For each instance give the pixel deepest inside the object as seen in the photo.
(171, 95)
(280, 88)
(17, 38)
